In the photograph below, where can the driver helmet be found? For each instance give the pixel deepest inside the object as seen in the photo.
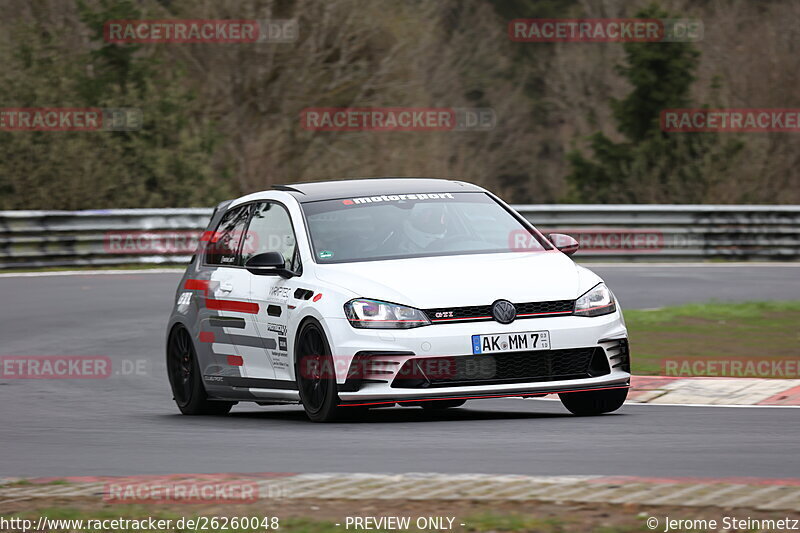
(426, 224)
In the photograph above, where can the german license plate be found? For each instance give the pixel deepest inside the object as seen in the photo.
(511, 342)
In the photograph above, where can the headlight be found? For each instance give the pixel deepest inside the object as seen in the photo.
(597, 301)
(372, 314)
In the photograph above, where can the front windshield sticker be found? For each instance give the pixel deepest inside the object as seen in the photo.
(325, 254)
(398, 198)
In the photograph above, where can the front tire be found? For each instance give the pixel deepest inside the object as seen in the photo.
(185, 379)
(316, 376)
(591, 403)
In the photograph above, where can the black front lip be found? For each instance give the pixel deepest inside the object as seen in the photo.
(523, 393)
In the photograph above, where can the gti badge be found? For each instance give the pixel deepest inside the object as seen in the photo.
(504, 311)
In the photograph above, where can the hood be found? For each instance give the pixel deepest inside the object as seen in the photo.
(453, 281)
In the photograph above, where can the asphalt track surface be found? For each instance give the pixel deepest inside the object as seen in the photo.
(127, 424)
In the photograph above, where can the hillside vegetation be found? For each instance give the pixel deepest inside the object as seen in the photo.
(576, 122)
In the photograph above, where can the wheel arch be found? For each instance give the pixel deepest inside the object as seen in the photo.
(171, 327)
(300, 325)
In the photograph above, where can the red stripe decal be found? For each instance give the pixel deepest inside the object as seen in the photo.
(547, 313)
(232, 305)
(488, 317)
(466, 318)
(206, 336)
(196, 285)
(235, 360)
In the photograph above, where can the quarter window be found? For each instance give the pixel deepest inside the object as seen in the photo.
(223, 245)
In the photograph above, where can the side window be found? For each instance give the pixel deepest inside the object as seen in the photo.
(271, 231)
(223, 246)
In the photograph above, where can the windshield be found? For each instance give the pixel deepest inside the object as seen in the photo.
(413, 225)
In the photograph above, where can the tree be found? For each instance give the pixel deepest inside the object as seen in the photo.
(651, 166)
(165, 163)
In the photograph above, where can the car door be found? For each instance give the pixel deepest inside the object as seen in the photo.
(253, 366)
(271, 231)
(225, 301)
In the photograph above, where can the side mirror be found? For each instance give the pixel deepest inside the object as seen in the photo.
(268, 264)
(564, 243)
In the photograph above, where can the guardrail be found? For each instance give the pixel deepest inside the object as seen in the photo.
(675, 232)
(618, 232)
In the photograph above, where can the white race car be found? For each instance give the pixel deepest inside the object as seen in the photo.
(344, 295)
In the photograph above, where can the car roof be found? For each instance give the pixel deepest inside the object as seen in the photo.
(354, 188)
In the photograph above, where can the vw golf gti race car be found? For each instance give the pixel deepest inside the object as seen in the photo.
(345, 295)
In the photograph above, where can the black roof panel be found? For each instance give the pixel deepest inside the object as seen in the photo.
(354, 188)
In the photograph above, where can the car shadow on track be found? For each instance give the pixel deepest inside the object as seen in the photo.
(395, 415)
(249, 415)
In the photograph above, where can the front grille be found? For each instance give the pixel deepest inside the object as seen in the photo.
(515, 367)
(476, 313)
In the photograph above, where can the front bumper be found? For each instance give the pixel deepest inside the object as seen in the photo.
(389, 350)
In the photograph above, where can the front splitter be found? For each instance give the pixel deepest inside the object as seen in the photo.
(526, 393)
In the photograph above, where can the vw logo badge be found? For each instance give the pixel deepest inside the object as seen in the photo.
(504, 311)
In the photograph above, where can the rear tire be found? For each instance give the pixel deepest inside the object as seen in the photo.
(591, 403)
(183, 369)
(315, 374)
